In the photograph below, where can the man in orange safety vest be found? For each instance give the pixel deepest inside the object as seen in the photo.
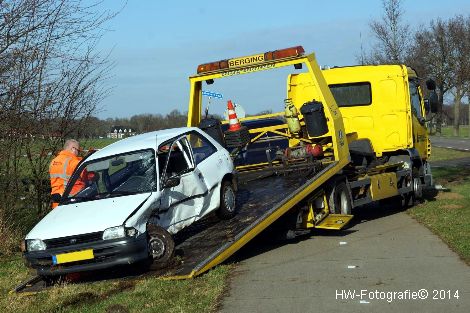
(62, 167)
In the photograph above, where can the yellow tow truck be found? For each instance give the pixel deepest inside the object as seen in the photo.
(330, 147)
(326, 158)
(320, 166)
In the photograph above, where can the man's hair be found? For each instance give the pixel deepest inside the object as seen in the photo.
(69, 142)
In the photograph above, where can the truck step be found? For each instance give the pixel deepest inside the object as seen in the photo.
(334, 221)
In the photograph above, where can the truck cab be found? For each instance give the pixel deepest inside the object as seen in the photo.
(384, 106)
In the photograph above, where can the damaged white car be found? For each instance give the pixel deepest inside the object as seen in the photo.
(138, 193)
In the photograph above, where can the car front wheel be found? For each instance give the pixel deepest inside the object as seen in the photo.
(160, 246)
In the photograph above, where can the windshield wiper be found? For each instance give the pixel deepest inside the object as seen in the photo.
(117, 193)
(76, 199)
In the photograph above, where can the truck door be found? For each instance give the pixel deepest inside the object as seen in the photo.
(418, 119)
(180, 204)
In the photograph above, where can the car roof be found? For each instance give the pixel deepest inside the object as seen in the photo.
(139, 142)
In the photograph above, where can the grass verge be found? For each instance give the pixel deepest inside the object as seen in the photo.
(145, 294)
(441, 154)
(448, 213)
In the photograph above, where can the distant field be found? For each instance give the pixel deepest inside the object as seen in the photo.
(448, 131)
(96, 143)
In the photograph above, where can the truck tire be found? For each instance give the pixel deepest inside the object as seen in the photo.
(339, 199)
(227, 201)
(417, 193)
(161, 246)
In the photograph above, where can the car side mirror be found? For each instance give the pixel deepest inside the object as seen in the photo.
(56, 197)
(172, 182)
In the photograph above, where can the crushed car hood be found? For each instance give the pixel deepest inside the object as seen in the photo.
(86, 217)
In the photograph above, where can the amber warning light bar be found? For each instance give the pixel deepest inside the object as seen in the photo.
(252, 59)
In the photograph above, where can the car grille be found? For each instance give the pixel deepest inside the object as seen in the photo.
(73, 240)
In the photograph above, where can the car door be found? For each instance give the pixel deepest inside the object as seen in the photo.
(180, 204)
(211, 162)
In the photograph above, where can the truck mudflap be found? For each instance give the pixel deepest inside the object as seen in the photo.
(259, 203)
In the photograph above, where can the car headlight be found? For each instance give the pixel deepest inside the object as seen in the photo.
(35, 245)
(119, 232)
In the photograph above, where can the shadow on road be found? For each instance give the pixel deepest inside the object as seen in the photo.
(275, 235)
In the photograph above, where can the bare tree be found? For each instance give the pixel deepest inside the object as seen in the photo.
(459, 33)
(392, 35)
(430, 55)
(441, 51)
(50, 81)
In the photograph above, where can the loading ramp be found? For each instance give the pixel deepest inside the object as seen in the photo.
(260, 202)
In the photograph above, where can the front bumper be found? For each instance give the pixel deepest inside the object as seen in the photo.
(107, 254)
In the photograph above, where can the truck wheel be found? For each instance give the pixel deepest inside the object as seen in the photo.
(417, 193)
(227, 201)
(339, 199)
(160, 246)
(406, 200)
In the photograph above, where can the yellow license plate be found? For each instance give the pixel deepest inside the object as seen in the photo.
(73, 256)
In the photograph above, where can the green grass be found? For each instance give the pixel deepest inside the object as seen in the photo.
(96, 143)
(144, 294)
(440, 154)
(447, 214)
(448, 131)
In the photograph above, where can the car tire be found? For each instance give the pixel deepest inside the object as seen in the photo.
(227, 208)
(161, 246)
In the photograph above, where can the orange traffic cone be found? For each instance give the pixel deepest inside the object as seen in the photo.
(234, 124)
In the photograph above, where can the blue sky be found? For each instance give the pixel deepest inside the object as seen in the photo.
(157, 45)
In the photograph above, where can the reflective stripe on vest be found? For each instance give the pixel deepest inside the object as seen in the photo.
(63, 175)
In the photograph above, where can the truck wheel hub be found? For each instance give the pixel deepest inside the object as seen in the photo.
(417, 188)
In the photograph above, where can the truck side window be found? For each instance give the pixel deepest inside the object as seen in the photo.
(202, 148)
(352, 94)
(415, 100)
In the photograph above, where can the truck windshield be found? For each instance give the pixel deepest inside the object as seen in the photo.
(117, 175)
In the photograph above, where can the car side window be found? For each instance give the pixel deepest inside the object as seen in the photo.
(175, 159)
(202, 148)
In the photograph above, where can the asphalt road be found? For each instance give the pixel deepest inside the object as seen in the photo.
(451, 143)
(386, 262)
(357, 270)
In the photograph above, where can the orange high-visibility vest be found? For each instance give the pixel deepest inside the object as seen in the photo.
(60, 171)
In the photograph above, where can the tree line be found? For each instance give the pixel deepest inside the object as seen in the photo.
(94, 127)
(439, 50)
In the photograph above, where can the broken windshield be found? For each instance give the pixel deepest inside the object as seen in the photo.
(117, 175)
